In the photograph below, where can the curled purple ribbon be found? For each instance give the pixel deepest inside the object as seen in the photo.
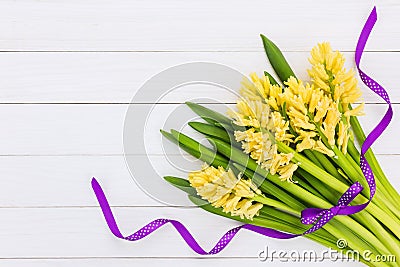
(316, 216)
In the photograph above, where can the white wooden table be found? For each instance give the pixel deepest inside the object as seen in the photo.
(68, 70)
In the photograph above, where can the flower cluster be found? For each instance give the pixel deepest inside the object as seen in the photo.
(256, 139)
(222, 188)
(329, 74)
(312, 116)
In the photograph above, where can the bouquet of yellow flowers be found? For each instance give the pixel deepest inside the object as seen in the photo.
(289, 145)
(292, 154)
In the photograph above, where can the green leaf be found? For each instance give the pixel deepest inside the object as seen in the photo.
(169, 136)
(271, 78)
(210, 130)
(207, 114)
(277, 60)
(182, 184)
(196, 149)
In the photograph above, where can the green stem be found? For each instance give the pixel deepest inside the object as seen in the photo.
(353, 151)
(329, 180)
(303, 182)
(387, 239)
(392, 204)
(309, 196)
(351, 169)
(270, 188)
(273, 203)
(328, 166)
(202, 129)
(311, 199)
(322, 236)
(364, 217)
(333, 227)
(354, 171)
(373, 162)
(282, 221)
(330, 195)
(309, 153)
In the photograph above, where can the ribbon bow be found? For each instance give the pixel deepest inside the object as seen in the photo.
(322, 216)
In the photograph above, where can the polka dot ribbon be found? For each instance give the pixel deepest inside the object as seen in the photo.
(182, 230)
(316, 216)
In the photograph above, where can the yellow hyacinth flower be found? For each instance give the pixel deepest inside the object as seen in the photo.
(329, 74)
(222, 188)
(281, 128)
(248, 90)
(341, 86)
(358, 111)
(322, 108)
(343, 135)
(307, 107)
(317, 107)
(290, 112)
(314, 100)
(307, 140)
(262, 84)
(256, 140)
(320, 147)
(286, 172)
(251, 113)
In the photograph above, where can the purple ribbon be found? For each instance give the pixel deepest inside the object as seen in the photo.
(318, 217)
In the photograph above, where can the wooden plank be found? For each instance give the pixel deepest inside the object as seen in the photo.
(195, 262)
(64, 181)
(74, 129)
(187, 26)
(116, 77)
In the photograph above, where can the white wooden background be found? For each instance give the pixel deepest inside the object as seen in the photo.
(68, 70)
